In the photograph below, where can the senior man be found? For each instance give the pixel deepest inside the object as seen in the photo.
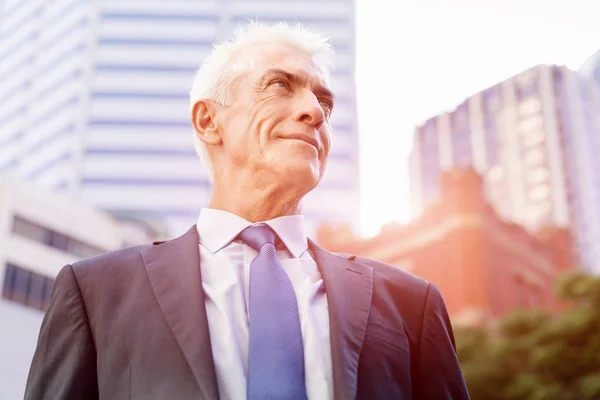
(244, 305)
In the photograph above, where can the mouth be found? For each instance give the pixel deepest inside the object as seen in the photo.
(305, 138)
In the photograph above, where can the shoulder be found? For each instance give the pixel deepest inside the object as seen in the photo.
(401, 296)
(99, 280)
(402, 281)
(123, 264)
(112, 265)
(112, 259)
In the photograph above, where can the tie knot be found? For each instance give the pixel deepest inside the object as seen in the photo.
(257, 236)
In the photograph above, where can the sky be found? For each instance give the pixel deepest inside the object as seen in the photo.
(418, 58)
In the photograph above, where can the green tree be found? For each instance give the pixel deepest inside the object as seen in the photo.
(532, 355)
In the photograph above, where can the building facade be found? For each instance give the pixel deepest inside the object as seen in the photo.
(94, 100)
(483, 265)
(534, 137)
(587, 142)
(590, 68)
(39, 234)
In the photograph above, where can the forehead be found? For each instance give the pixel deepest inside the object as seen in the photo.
(288, 58)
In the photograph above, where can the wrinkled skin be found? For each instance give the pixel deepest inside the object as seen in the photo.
(270, 145)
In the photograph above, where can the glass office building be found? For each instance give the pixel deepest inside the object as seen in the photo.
(94, 100)
(535, 138)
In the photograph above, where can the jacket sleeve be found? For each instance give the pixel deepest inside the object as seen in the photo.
(438, 374)
(64, 362)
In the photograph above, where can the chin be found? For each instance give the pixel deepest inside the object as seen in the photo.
(301, 174)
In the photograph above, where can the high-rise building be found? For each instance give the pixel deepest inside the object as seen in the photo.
(535, 139)
(584, 146)
(94, 100)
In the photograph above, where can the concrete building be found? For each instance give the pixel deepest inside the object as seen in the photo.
(579, 116)
(39, 234)
(94, 100)
(483, 265)
(535, 139)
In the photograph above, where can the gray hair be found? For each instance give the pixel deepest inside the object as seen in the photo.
(214, 78)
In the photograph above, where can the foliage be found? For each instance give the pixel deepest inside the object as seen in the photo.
(530, 354)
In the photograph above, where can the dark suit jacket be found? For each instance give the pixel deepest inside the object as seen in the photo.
(131, 324)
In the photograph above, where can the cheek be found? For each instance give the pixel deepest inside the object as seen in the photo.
(235, 137)
(259, 114)
(234, 130)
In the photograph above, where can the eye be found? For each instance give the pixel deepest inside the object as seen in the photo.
(327, 106)
(279, 83)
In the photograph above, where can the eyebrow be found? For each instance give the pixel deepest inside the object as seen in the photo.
(296, 79)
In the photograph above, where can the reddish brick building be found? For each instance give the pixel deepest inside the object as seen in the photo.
(483, 265)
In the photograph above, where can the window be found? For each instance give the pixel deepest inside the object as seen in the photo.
(557, 76)
(26, 287)
(526, 83)
(531, 123)
(462, 153)
(533, 157)
(58, 241)
(460, 118)
(20, 279)
(31, 231)
(530, 106)
(527, 78)
(37, 291)
(539, 192)
(429, 134)
(54, 239)
(492, 147)
(533, 137)
(492, 101)
(527, 91)
(538, 175)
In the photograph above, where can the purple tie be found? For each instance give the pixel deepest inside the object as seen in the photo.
(275, 351)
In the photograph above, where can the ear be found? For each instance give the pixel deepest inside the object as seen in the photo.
(204, 122)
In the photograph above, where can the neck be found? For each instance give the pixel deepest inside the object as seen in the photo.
(255, 200)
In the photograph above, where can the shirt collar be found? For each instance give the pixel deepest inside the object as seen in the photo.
(291, 231)
(217, 228)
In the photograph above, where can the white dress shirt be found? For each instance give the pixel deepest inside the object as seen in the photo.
(225, 269)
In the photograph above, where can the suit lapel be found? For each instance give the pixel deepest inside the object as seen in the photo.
(349, 288)
(174, 272)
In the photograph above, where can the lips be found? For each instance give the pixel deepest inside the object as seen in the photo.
(305, 138)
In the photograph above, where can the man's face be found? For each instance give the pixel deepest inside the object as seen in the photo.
(278, 122)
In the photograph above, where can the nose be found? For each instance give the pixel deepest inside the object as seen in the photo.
(309, 111)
